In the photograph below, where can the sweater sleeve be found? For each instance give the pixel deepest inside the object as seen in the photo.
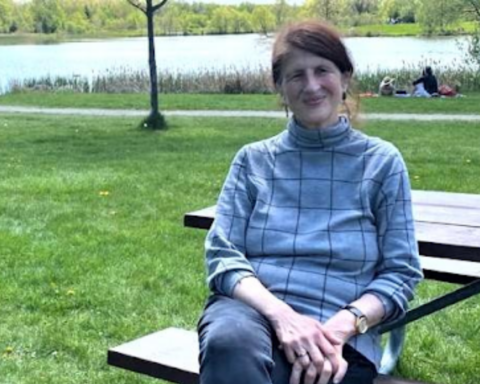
(226, 262)
(398, 270)
(419, 80)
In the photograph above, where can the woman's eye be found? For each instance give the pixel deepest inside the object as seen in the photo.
(295, 76)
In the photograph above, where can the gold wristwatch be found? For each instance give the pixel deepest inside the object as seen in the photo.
(361, 324)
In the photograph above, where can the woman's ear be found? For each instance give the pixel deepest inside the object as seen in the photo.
(278, 88)
(281, 94)
(346, 77)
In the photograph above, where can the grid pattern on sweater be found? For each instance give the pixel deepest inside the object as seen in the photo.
(320, 217)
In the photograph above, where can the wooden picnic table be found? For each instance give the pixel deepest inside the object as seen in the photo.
(448, 234)
(447, 227)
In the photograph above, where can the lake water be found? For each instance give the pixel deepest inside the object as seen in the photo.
(193, 53)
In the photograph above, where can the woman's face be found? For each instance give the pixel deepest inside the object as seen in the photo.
(312, 87)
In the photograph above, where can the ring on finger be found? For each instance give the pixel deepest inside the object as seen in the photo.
(302, 353)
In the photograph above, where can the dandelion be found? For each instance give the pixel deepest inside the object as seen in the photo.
(8, 350)
(70, 292)
(416, 177)
(468, 161)
(104, 193)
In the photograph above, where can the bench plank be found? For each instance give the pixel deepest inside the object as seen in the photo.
(448, 199)
(449, 270)
(172, 355)
(450, 241)
(441, 214)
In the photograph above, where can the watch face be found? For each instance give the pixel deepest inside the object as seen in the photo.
(362, 326)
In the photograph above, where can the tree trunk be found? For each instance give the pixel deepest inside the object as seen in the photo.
(154, 112)
(155, 120)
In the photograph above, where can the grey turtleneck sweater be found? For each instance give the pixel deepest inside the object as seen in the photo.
(320, 217)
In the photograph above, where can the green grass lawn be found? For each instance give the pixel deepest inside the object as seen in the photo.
(468, 104)
(386, 30)
(94, 252)
(401, 29)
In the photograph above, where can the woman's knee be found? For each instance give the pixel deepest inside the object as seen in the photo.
(229, 328)
(228, 337)
(235, 345)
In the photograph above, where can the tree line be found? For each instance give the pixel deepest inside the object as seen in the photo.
(184, 18)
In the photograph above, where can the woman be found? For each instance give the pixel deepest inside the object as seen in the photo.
(426, 85)
(313, 241)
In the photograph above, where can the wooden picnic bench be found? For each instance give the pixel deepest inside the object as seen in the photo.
(448, 233)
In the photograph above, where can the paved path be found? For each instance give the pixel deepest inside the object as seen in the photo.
(271, 114)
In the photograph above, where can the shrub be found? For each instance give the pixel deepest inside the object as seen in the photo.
(237, 81)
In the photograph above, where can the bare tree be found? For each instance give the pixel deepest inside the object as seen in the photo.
(156, 119)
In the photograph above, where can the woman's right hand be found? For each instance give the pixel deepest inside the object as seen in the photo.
(309, 347)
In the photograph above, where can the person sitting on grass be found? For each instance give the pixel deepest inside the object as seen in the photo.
(313, 242)
(426, 85)
(387, 87)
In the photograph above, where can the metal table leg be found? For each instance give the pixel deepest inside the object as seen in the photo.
(392, 350)
(396, 328)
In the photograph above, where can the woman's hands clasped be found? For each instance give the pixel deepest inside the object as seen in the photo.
(313, 350)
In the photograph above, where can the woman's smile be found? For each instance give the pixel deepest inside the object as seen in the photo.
(314, 101)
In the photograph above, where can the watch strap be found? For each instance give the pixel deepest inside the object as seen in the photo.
(361, 325)
(354, 310)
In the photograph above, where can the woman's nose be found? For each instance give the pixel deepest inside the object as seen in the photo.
(311, 82)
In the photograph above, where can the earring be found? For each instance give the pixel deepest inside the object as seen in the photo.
(344, 96)
(286, 109)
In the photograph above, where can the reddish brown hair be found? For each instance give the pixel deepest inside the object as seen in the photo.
(315, 37)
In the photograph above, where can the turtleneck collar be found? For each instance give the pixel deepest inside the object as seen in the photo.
(319, 137)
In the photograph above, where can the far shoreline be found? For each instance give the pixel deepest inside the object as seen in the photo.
(383, 30)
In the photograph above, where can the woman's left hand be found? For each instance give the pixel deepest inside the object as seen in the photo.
(342, 326)
(310, 373)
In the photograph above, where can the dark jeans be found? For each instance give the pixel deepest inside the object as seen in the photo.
(238, 345)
